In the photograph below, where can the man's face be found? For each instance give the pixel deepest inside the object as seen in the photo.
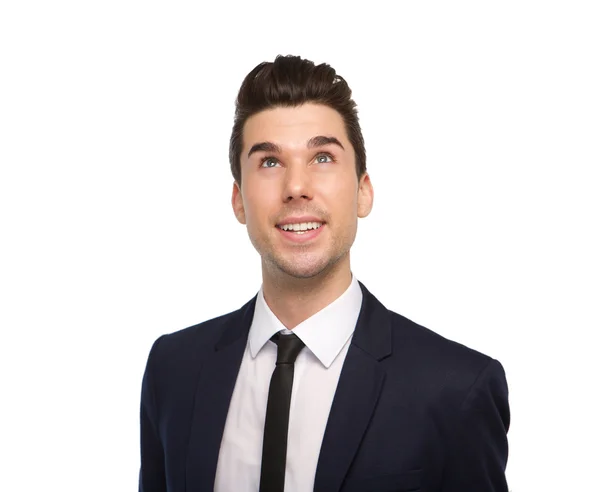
(298, 171)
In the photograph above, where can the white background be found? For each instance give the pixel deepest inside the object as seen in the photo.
(482, 125)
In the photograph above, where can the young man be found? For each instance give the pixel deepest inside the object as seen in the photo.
(314, 384)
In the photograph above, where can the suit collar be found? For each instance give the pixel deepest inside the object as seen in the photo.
(373, 332)
(238, 325)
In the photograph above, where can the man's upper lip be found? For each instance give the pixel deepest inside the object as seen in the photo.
(299, 220)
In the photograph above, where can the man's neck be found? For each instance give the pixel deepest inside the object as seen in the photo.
(294, 300)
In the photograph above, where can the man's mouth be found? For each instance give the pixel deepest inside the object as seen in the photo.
(301, 227)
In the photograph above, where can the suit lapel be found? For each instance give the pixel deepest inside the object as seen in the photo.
(211, 403)
(359, 386)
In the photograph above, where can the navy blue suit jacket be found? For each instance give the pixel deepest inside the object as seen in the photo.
(412, 411)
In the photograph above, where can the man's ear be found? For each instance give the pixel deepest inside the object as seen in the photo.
(238, 203)
(365, 196)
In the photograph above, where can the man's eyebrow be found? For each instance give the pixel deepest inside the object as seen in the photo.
(320, 141)
(264, 147)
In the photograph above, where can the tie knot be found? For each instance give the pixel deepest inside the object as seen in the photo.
(288, 348)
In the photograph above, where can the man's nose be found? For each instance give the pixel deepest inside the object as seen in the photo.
(297, 183)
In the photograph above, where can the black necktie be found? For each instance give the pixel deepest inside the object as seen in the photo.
(272, 473)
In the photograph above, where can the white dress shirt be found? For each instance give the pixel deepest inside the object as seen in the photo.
(327, 336)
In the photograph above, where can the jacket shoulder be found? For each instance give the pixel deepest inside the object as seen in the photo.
(454, 365)
(188, 347)
(198, 335)
(418, 336)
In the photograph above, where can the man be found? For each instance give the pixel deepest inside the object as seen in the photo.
(314, 384)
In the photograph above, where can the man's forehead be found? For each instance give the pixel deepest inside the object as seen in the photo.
(293, 126)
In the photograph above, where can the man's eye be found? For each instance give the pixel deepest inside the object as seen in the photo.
(269, 162)
(324, 158)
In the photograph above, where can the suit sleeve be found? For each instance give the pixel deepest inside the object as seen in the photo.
(478, 454)
(152, 469)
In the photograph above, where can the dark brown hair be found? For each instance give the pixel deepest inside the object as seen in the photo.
(292, 81)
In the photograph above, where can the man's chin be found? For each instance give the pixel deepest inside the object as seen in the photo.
(298, 270)
(301, 273)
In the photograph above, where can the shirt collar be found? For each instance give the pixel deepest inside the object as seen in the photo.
(325, 333)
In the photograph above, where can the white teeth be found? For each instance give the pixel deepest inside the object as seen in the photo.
(301, 227)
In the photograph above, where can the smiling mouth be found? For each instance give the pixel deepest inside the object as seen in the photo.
(301, 228)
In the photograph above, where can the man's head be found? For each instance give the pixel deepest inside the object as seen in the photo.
(290, 81)
(297, 155)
